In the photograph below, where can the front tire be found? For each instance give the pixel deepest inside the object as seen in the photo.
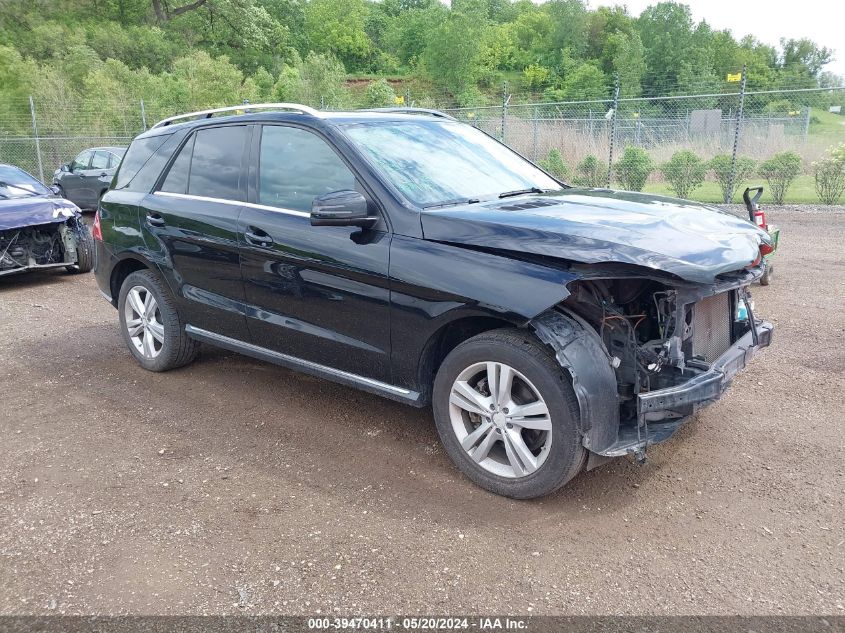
(507, 415)
(150, 324)
(84, 251)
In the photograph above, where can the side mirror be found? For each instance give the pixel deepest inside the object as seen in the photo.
(65, 167)
(56, 190)
(341, 208)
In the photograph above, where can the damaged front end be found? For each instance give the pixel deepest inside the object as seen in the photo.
(646, 352)
(51, 245)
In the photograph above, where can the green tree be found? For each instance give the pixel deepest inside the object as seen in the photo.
(380, 93)
(634, 168)
(779, 171)
(591, 172)
(829, 175)
(684, 172)
(451, 58)
(555, 165)
(338, 27)
(318, 81)
(720, 165)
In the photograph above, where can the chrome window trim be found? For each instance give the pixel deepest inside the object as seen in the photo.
(252, 205)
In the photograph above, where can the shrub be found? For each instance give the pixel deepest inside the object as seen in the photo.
(633, 168)
(779, 171)
(721, 167)
(554, 164)
(684, 172)
(830, 175)
(591, 173)
(379, 94)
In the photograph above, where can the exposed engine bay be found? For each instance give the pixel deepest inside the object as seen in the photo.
(44, 245)
(657, 336)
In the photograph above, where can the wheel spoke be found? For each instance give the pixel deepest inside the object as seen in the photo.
(483, 449)
(521, 459)
(148, 300)
(135, 326)
(532, 408)
(505, 385)
(149, 346)
(135, 302)
(157, 330)
(473, 438)
(493, 380)
(540, 423)
(469, 399)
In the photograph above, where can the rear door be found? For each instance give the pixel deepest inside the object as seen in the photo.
(96, 177)
(191, 220)
(318, 294)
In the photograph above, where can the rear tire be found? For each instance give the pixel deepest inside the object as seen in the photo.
(487, 433)
(151, 325)
(84, 251)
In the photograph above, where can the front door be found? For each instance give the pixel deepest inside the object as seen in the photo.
(73, 182)
(191, 223)
(318, 294)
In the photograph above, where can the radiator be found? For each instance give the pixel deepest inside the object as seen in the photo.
(711, 326)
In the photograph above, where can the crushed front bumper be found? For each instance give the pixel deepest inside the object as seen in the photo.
(700, 390)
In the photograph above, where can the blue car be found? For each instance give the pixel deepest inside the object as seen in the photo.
(39, 228)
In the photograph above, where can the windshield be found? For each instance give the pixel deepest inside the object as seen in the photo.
(16, 183)
(440, 162)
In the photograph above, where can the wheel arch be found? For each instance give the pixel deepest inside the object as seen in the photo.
(446, 338)
(122, 269)
(582, 355)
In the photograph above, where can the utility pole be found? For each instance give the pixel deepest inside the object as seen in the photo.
(143, 116)
(505, 100)
(613, 112)
(37, 140)
(737, 130)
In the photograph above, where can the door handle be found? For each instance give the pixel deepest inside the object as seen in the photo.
(155, 219)
(258, 237)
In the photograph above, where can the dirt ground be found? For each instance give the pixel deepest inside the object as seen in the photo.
(234, 486)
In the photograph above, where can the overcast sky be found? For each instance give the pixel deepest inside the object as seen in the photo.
(823, 21)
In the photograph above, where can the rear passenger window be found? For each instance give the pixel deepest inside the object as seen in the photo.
(177, 177)
(296, 166)
(215, 170)
(100, 160)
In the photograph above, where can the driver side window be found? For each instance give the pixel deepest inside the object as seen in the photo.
(81, 161)
(296, 166)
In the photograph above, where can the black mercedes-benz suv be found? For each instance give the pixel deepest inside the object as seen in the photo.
(415, 257)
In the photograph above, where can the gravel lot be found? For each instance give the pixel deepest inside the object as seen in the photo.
(234, 486)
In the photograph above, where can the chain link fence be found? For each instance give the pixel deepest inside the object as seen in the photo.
(706, 124)
(41, 136)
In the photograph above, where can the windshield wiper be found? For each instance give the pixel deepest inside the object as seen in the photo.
(451, 203)
(520, 192)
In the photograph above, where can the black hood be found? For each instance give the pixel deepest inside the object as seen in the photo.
(690, 240)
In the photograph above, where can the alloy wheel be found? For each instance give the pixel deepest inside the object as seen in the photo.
(143, 322)
(500, 419)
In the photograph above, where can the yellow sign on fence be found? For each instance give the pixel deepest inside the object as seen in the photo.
(735, 77)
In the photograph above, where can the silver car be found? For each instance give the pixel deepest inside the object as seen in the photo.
(87, 177)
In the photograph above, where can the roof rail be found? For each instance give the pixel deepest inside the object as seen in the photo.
(404, 110)
(207, 114)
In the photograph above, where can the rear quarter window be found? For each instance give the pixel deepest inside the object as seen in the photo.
(136, 158)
